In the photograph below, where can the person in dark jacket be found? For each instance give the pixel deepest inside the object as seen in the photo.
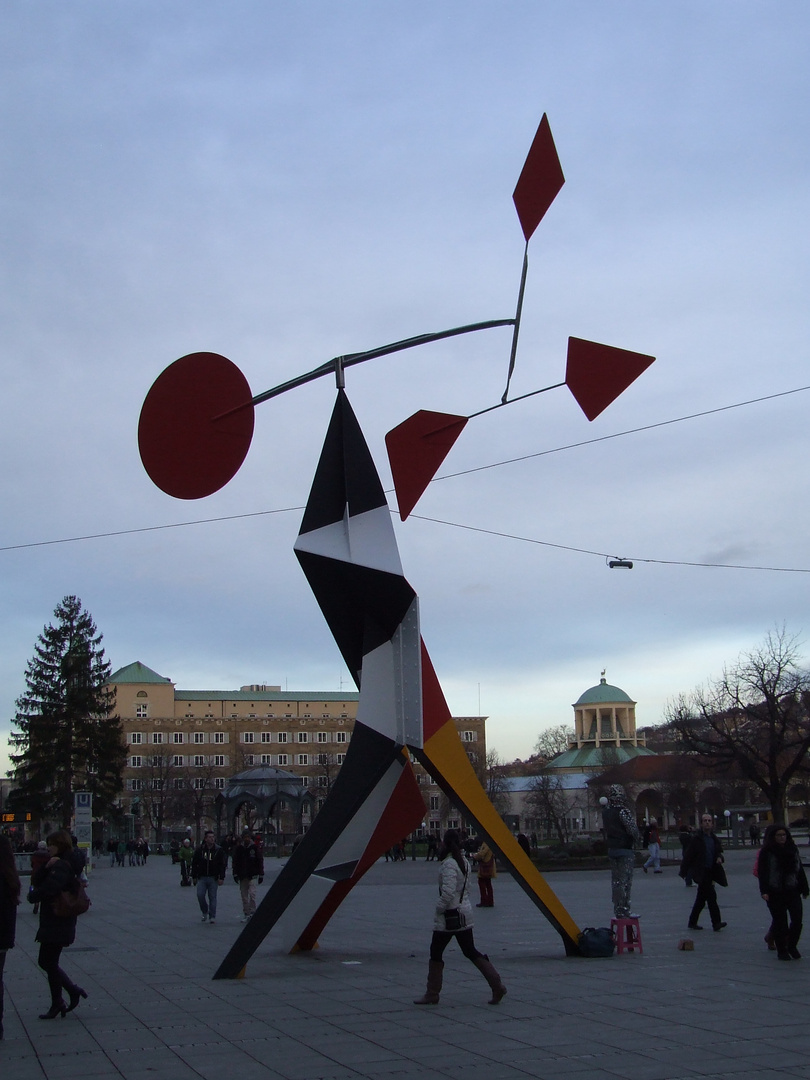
(248, 865)
(55, 931)
(208, 873)
(621, 833)
(9, 899)
(782, 884)
(703, 863)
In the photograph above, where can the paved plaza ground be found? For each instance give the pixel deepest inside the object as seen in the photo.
(728, 1009)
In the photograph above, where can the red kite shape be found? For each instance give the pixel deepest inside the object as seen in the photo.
(540, 180)
(416, 449)
(596, 374)
(187, 453)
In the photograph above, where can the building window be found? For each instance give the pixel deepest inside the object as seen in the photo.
(282, 759)
(157, 737)
(219, 759)
(434, 802)
(199, 760)
(135, 785)
(178, 783)
(135, 738)
(303, 759)
(303, 736)
(219, 736)
(250, 759)
(340, 758)
(219, 783)
(135, 762)
(199, 783)
(452, 823)
(199, 737)
(141, 711)
(267, 759)
(341, 736)
(323, 759)
(469, 736)
(304, 781)
(267, 736)
(282, 736)
(177, 759)
(247, 736)
(323, 736)
(177, 736)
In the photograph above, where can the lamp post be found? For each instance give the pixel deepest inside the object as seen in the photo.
(727, 815)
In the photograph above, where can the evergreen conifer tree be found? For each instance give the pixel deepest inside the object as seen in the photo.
(67, 738)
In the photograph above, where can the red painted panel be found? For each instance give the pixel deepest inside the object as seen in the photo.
(435, 712)
(185, 451)
(597, 374)
(416, 449)
(540, 180)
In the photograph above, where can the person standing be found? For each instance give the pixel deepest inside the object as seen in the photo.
(703, 863)
(486, 872)
(248, 865)
(621, 834)
(56, 932)
(782, 884)
(9, 899)
(654, 848)
(453, 918)
(185, 855)
(208, 873)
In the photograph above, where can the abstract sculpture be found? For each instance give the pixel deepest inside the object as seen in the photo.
(347, 550)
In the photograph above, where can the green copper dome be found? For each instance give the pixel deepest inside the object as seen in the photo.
(603, 694)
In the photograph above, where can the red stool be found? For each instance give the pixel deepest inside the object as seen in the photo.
(627, 933)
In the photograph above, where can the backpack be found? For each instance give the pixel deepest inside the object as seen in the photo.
(597, 942)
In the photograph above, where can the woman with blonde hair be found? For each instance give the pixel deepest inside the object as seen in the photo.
(56, 932)
(9, 899)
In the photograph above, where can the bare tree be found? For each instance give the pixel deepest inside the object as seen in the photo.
(549, 802)
(158, 793)
(754, 718)
(495, 783)
(553, 741)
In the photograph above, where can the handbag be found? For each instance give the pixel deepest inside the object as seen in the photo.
(454, 920)
(68, 904)
(596, 942)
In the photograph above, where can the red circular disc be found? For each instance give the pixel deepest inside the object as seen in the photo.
(188, 447)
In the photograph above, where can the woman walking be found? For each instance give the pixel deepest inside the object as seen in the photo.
(55, 932)
(454, 919)
(782, 883)
(486, 872)
(9, 898)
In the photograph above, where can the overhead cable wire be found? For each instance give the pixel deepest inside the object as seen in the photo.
(448, 476)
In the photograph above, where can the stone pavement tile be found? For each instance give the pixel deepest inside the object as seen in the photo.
(64, 1066)
(28, 1070)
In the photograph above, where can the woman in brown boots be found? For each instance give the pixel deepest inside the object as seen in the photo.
(454, 919)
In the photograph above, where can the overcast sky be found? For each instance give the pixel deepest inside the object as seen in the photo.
(282, 183)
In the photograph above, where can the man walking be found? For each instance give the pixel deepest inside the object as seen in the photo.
(248, 865)
(653, 845)
(703, 863)
(208, 873)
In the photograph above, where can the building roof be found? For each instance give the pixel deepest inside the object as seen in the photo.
(568, 781)
(137, 673)
(597, 757)
(265, 695)
(604, 694)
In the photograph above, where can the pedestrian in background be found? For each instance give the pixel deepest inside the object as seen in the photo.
(185, 855)
(9, 899)
(208, 873)
(453, 918)
(486, 873)
(56, 932)
(248, 867)
(654, 848)
(782, 884)
(703, 863)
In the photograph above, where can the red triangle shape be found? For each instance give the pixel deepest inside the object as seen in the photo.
(416, 449)
(596, 374)
(540, 180)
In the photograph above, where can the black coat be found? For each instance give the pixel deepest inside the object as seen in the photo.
(247, 861)
(209, 862)
(694, 865)
(8, 916)
(46, 884)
